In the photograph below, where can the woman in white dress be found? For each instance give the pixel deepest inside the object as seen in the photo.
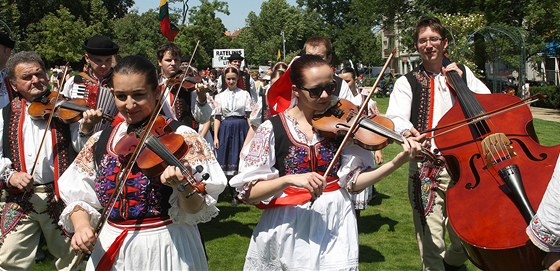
(283, 167)
(152, 224)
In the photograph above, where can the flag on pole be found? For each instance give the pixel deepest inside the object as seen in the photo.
(168, 29)
(278, 55)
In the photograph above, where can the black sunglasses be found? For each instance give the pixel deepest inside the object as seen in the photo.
(317, 91)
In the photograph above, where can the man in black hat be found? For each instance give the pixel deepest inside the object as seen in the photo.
(6, 46)
(93, 84)
(244, 82)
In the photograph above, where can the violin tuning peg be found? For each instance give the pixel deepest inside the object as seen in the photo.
(205, 176)
(199, 168)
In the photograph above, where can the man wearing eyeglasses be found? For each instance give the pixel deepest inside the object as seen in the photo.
(418, 101)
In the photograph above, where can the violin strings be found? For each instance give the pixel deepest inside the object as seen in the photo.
(156, 146)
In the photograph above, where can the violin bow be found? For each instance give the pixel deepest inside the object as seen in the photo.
(184, 76)
(356, 120)
(481, 117)
(47, 127)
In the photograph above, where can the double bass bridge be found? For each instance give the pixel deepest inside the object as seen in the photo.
(497, 148)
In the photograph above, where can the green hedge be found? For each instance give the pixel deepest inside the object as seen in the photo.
(553, 96)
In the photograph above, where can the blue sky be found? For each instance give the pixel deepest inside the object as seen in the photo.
(239, 9)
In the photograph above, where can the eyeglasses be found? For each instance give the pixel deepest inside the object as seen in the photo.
(317, 91)
(433, 40)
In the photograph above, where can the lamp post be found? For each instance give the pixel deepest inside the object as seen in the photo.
(283, 45)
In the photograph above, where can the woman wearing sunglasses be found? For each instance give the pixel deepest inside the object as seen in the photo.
(283, 167)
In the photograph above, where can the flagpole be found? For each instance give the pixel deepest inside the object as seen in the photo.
(283, 45)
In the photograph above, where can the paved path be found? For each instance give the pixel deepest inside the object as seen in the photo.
(546, 113)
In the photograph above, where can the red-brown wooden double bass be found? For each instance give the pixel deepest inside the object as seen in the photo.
(500, 172)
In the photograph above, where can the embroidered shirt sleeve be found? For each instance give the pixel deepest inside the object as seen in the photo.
(257, 159)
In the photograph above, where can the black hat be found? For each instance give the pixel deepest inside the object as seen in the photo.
(235, 56)
(6, 41)
(101, 46)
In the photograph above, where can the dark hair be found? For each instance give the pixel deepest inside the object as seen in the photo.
(277, 74)
(280, 66)
(348, 70)
(431, 22)
(171, 47)
(318, 41)
(214, 72)
(138, 65)
(303, 63)
(23, 57)
(232, 70)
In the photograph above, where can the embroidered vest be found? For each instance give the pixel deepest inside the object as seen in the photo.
(64, 153)
(142, 196)
(421, 94)
(295, 158)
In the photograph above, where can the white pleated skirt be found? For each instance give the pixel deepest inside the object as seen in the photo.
(321, 237)
(170, 247)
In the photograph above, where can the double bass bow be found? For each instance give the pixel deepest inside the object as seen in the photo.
(500, 173)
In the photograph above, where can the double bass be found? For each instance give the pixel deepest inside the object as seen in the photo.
(500, 173)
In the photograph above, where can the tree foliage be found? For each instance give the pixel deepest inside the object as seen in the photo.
(262, 37)
(58, 37)
(207, 29)
(139, 34)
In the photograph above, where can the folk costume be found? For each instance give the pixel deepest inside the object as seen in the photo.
(146, 229)
(232, 107)
(244, 82)
(26, 215)
(96, 91)
(293, 232)
(420, 99)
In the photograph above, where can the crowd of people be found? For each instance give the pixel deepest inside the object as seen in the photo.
(255, 135)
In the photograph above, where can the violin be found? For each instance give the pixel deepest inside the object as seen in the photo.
(186, 82)
(67, 110)
(372, 133)
(164, 148)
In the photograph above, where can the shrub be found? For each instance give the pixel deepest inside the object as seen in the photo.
(552, 93)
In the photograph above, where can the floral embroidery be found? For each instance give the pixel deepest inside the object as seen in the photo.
(142, 196)
(84, 161)
(545, 239)
(259, 149)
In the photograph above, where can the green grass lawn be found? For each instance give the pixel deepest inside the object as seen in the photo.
(386, 230)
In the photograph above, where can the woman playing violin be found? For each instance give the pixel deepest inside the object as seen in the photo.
(152, 225)
(282, 169)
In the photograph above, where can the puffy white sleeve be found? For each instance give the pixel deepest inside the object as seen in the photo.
(201, 113)
(400, 104)
(354, 159)
(77, 186)
(199, 154)
(544, 229)
(474, 84)
(257, 161)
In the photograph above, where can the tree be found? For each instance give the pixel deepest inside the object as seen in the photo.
(139, 34)
(58, 37)
(99, 20)
(206, 28)
(262, 39)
